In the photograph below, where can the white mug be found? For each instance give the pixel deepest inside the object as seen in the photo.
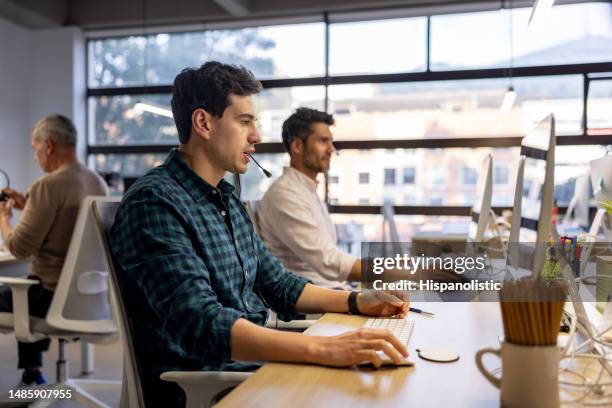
(530, 375)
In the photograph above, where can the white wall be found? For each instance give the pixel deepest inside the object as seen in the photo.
(42, 72)
(58, 77)
(15, 152)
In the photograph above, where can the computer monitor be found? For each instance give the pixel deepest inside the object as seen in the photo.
(481, 210)
(578, 208)
(533, 199)
(601, 181)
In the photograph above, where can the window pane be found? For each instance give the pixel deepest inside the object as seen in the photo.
(267, 51)
(389, 176)
(364, 178)
(274, 106)
(377, 47)
(448, 176)
(501, 175)
(481, 40)
(438, 176)
(599, 107)
(409, 175)
(126, 165)
(469, 176)
(446, 109)
(137, 119)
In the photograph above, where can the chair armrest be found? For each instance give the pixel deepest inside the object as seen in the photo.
(21, 311)
(17, 282)
(201, 387)
(293, 325)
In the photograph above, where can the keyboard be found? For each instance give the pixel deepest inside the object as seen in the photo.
(401, 328)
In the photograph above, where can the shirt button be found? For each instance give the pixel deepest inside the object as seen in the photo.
(214, 191)
(223, 213)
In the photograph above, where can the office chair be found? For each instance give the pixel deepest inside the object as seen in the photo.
(80, 308)
(200, 387)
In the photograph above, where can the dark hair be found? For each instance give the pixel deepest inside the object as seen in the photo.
(208, 87)
(299, 125)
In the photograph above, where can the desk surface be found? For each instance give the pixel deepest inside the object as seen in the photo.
(6, 257)
(463, 327)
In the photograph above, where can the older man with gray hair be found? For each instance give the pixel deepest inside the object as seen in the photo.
(50, 211)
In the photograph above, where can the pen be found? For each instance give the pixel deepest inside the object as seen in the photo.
(415, 310)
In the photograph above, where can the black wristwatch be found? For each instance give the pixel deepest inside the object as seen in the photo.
(352, 303)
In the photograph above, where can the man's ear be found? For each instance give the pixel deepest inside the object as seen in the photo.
(49, 146)
(201, 123)
(296, 146)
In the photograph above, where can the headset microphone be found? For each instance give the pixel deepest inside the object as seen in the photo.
(266, 172)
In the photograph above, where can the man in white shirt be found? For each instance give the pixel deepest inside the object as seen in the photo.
(293, 221)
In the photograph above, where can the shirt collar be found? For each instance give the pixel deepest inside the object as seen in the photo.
(197, 187)
(301, 177)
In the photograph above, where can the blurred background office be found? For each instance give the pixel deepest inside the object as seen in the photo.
(421, 90)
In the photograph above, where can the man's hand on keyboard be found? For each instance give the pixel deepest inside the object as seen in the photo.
(383, 303)
(359, 346)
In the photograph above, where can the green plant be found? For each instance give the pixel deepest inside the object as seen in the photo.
(551, 271)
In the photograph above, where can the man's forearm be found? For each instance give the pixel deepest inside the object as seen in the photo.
(315, 299)
(5, 229)
(251, 342)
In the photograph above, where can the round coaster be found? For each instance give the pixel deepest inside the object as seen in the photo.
(438, 354)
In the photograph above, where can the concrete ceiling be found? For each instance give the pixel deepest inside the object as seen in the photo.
(96, 14)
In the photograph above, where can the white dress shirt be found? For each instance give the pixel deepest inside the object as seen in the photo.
(296, 227)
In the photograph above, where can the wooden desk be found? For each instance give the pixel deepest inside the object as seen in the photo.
(463, 327)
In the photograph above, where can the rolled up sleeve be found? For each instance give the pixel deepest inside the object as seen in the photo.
(280, 288)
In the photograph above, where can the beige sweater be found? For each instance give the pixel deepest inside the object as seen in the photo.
(48, 219)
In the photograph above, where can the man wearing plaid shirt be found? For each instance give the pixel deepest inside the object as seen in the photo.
(196, 279)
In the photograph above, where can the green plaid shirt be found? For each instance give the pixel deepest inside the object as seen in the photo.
(190, 265)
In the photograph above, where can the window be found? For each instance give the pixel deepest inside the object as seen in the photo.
(389, 200)
(389, 176)
(481, 40)
(418, 110)
(409, 175)
(364, 178)
(469, 176)
(454, 109)
(598, 107)
(126, 165)
(274, 106)
(266, 51)
(355, 48)
(501, 175)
